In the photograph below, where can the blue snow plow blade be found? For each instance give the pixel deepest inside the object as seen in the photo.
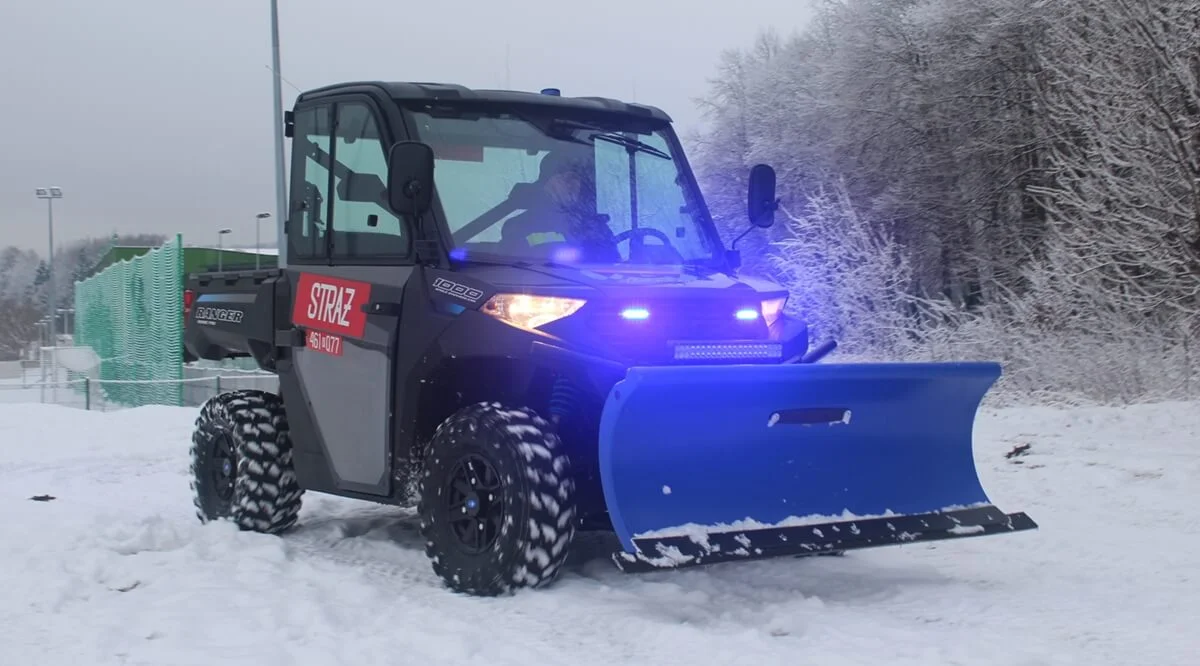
(702, 464)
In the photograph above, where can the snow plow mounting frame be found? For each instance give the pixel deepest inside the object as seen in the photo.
(676, 552)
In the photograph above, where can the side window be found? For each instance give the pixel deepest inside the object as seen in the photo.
(479, 182)
(308, 218)
(363, 226)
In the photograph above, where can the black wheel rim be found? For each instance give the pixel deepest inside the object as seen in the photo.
(224, 469)
(474, 496)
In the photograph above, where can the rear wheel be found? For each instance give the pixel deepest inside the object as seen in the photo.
(241, 463)
(497, 500)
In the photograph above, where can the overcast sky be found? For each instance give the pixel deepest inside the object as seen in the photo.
(154, 115)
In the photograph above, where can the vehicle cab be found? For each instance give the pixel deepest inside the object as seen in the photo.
(574, 218)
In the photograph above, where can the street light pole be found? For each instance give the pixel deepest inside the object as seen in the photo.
(50, 194)
(277, 117)
(221, 248)
(257, 246)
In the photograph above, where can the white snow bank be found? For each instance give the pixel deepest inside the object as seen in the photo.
(117, 570)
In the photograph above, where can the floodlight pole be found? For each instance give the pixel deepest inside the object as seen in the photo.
(277, 117)
(50, 194)
(52, 302)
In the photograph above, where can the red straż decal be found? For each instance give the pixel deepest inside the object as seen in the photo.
(330, 304)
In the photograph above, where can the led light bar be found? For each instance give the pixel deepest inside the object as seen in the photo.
(746, 314)
(635, 314)
(708, 351)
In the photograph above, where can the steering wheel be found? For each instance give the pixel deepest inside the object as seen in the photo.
(648, 231)
(642, 231)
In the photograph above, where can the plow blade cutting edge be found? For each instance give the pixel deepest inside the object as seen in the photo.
(715, 463)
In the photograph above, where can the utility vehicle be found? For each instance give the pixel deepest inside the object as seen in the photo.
(514, 312)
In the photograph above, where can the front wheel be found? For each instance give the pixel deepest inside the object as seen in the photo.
(497, 500)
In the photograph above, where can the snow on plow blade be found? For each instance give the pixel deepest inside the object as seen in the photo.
(703, 464)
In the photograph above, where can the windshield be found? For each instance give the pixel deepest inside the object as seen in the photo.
(549, 189)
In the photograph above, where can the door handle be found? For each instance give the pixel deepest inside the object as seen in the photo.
(385, 308)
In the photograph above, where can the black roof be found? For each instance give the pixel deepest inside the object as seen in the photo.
(417, 91)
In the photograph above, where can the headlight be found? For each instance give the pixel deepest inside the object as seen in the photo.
(772, 308)
(525, 311)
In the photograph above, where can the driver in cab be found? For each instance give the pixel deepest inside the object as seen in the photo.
(558, 213)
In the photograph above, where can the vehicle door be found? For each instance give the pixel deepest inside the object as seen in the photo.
(349, 259)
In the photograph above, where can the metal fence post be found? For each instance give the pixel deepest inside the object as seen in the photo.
(218, 384)
(87, 393)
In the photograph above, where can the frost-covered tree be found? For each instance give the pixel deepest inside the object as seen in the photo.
(24, 284)
(926, 122)
(1123, 89)
(1012, 179)
(869, 304)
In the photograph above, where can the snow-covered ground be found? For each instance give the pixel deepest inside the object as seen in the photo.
(117, 570)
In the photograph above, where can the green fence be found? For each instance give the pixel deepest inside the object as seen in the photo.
(131, 315)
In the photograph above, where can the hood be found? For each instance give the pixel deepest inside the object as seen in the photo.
(651, 281)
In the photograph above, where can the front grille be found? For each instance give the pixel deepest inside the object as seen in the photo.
(670, 324)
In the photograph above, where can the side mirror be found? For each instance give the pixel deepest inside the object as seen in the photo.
(761, 201)
(410, 177)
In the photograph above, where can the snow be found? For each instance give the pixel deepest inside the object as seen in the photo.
(117, 570)
(696, 531)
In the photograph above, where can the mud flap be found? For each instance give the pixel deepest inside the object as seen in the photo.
(704, 463)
